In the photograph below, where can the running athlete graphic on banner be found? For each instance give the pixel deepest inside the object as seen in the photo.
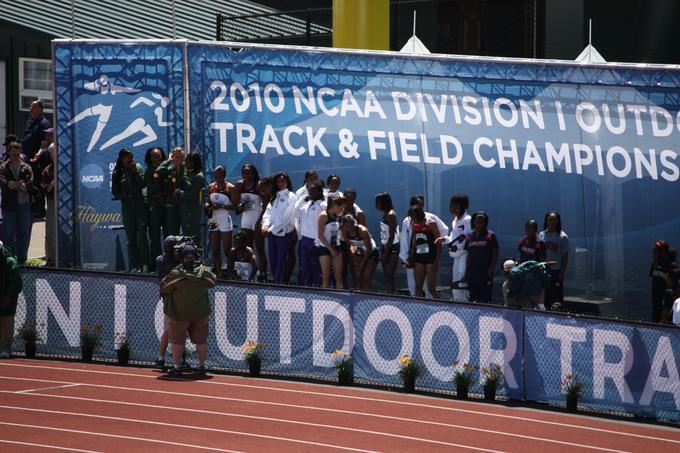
(102, 111)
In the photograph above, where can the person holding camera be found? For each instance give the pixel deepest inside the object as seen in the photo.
(127, 185)
(186, 288)
(16, 183)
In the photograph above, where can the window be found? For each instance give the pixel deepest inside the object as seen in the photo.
(35, 82)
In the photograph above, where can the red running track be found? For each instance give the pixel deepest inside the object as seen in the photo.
(75, 407)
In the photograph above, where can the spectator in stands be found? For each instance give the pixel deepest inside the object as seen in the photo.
(34, 134)
(661, 272)
(557, 253)
(189, 307)
(155, 198)
(241, 262)
(47, 187)
(307, 212)
(190, 195)
(164, 264)
(362, 252)
(423, 253)
(16, 184)
(389, 238)
(531, 247)
(127, 185)
(405, 242)
(328, 242)
(10, 287)
(264, 188)
(222, 198)
(278, 225)
(482, 247)
(460, 228)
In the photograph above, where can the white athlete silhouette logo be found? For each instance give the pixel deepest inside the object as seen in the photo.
(103, 113)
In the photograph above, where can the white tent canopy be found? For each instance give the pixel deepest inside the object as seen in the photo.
(590, 55)
(415, 46)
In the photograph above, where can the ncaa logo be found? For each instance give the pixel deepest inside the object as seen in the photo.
(92, 176)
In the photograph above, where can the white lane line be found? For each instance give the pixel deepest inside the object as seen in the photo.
(116, 436)
(337, 427)
(380, 400)
(200, 428)
(48, 388)
(53, 447)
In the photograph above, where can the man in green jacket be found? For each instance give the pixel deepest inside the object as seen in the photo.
(10, 287)
(186, 291)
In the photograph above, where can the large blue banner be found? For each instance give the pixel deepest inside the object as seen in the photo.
(627, 367)
(597, 144)
(109, 96)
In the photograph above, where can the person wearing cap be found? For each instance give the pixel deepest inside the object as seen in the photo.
(186, 288)
(10, 287)
(164, 264)
(16, 185)
(482, 247)
(525, 284)
(47, 182)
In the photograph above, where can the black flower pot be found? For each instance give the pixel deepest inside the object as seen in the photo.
(123, 356)
(572, 402)
(254, 368)
(410, 384)
(29, 348)
(490, 393)
(461, 391)
(86, 353)
(345, 377)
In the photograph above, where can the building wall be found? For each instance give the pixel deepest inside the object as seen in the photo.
(17, 42)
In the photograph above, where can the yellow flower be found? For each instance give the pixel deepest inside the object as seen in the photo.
(245, 349)
(84, 329)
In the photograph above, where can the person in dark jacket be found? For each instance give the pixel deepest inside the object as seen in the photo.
(36, 130)
(127, 184)
(155, 200)
(47, 187)
(16, 183)
(10, 287)
(190, 195)
(171, 174)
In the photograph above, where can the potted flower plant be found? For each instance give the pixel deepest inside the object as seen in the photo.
(252, 354)
(409, 370)
(30, 334)
(493, 376)
(122, 340)
(462, 377)
(572, 387)
(89, 341)
(343, 365)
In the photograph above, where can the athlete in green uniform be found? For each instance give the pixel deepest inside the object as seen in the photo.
(171, 173)
(127, 185)
(190, 194)
(155, 198)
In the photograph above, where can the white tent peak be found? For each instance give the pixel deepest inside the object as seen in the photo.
(590, 55)
(415, 46)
